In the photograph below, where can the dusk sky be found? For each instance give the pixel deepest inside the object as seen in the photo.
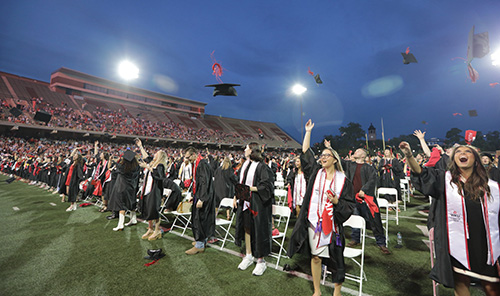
(267, 47)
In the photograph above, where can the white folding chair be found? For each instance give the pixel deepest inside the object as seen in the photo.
(391, 191)
(279, 184)
(405, 191)
(225, 224)
(354, 221)
(166, 195)
(281, 196)
(279, 177)
(282, 212)
(182, 220)
(383, 203)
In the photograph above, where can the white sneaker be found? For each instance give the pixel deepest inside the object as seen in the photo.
(259, 268)
(246, 262)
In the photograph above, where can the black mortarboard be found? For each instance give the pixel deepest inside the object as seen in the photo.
(128, 155)
(408, 58)
(224, 89)
(318, 79)
(155, 254)
(473, 113)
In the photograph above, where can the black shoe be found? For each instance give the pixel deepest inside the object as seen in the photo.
(111, 217)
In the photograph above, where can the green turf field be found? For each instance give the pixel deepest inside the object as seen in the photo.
(47, 251)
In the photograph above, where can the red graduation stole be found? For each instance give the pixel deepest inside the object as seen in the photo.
(198, 159)
(369, 202)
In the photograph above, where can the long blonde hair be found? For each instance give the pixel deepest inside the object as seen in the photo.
(160, 158)
(226, 163)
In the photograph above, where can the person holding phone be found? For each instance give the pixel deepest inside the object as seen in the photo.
(328, 203)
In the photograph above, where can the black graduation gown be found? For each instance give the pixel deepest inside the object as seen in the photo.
(122, 197)
(152, 201)
(432, 182)
(74, 183)
(299, 241)
(203, 219)
(391, 178)
(175, 197)
(223, 184)
(261, 203)
(369, 181)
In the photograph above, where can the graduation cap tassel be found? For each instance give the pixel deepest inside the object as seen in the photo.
(473, 74)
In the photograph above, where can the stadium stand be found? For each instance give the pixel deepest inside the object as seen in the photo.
(83, 103)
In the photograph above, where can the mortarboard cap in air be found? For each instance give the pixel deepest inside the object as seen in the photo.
(478, 45)
(318, 79)
(129, 155)
(408, 58)
(473, 113)
(224, 89)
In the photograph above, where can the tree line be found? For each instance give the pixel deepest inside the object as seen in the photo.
(353, 136)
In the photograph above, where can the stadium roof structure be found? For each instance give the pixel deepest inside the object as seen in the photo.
(72, 82)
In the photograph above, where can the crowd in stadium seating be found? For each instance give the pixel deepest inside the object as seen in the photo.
(114, 122)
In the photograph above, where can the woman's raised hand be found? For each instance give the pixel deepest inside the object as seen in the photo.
(405, 147)
(309, 125)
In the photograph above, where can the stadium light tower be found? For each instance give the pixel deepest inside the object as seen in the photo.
(128, 70)
(299, 90)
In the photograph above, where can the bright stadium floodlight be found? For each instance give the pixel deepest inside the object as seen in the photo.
(495, 58)
(298, 89)
(128, 71)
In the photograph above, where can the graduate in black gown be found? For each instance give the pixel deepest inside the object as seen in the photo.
(224, 180)
(203, 210)
(73, 178)
(123, 197)
(101, 177)
(254, 217)
(297, 185)
(390, 172)
(466, 225)
(152, 193)
(328, 203)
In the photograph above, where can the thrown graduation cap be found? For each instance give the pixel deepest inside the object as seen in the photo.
(478, 45)
(473, 113)
(318, 79)
(128, 155)
(224, 89)
(408, 57)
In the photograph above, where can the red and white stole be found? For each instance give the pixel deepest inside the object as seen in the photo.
(458, 229)
(320, 206)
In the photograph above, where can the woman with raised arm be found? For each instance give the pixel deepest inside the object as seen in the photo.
(151, 194)
(122, 196)
(328, 203)
(466, 231)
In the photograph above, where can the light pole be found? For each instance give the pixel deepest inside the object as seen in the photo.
(298, 89)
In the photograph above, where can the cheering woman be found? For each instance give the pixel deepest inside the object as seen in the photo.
(466, 231)
(328, 203)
